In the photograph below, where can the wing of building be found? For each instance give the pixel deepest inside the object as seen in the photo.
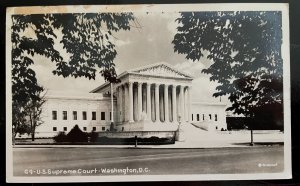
(152, 98)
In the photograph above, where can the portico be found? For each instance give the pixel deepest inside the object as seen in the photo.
(153, 95)
(152, 102)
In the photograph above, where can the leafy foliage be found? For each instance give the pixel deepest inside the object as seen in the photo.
(27, 116)
(246, 51)
(93, 136)
(60, 137)
(85, 36)
(33, 111)
(19, 120)
(77, 135)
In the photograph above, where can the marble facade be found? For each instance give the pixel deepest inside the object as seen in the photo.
(152, 98)
(155, 94)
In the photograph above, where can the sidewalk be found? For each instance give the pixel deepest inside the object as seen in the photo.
(194, 138)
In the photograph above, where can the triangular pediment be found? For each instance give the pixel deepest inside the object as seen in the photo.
(161, 69)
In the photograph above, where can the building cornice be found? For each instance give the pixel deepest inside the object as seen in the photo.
(76, 98)
(208, 103)
(104, 85)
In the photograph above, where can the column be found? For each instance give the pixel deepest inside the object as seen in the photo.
(148, 101)
(174, 103)
(189, 103)
(185, 103)
(112, 102)
(152, 97)
(140, 101)
(157, 118)
(130, 86)
(125, 101)
(121, 103)
(166, 92)
(181, 103)
(118, 104)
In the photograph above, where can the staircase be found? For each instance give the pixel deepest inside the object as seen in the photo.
(195, 134)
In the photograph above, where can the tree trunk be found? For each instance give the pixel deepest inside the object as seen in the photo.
(31, 127)
(33, 130)
(251, 143)
(32, 136)
(251, 133)
(14, 136)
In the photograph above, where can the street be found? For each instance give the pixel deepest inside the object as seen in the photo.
(120, 161)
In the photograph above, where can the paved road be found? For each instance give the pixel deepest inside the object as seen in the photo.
(103, 161)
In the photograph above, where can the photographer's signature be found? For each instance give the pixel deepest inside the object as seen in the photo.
(267, 164)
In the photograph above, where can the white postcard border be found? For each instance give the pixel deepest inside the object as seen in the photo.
(283, 7)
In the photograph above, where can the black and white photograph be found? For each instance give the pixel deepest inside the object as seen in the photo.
(148, 92)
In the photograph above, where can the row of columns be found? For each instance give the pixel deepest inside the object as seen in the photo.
(126, 103)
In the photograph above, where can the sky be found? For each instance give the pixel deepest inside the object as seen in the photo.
(148, 44)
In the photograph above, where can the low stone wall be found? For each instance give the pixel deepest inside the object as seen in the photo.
(205, 125)
(37, 135)
(139, 134)
(249, 131)
(146, 126)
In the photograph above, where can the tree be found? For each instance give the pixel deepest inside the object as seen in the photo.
(33, 111)
(245, 48)
(86, 37)
(19, 120)
(26, 118)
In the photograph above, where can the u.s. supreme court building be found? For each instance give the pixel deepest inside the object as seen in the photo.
(151, 98)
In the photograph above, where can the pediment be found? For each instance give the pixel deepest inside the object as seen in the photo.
(158, 70)
(161, 69)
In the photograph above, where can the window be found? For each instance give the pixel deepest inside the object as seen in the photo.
(94, 128)
(65, 128)
(103, 128)
(216, 117)
(109, 115)
(65, 115)
(198, 117)
(192, 117)
(74, 115)
(54, 115)
(102, 115)
(84, 115)
(54, 129)
(203, 117)
(84, 128)
(209, 116)
(93, 115)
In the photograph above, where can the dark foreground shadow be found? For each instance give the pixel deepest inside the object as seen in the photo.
(260, 144)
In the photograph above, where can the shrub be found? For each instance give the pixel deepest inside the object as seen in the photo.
(93, 136)
(76, 135)
(60, 137)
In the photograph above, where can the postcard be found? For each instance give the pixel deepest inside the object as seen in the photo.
(151, 92)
